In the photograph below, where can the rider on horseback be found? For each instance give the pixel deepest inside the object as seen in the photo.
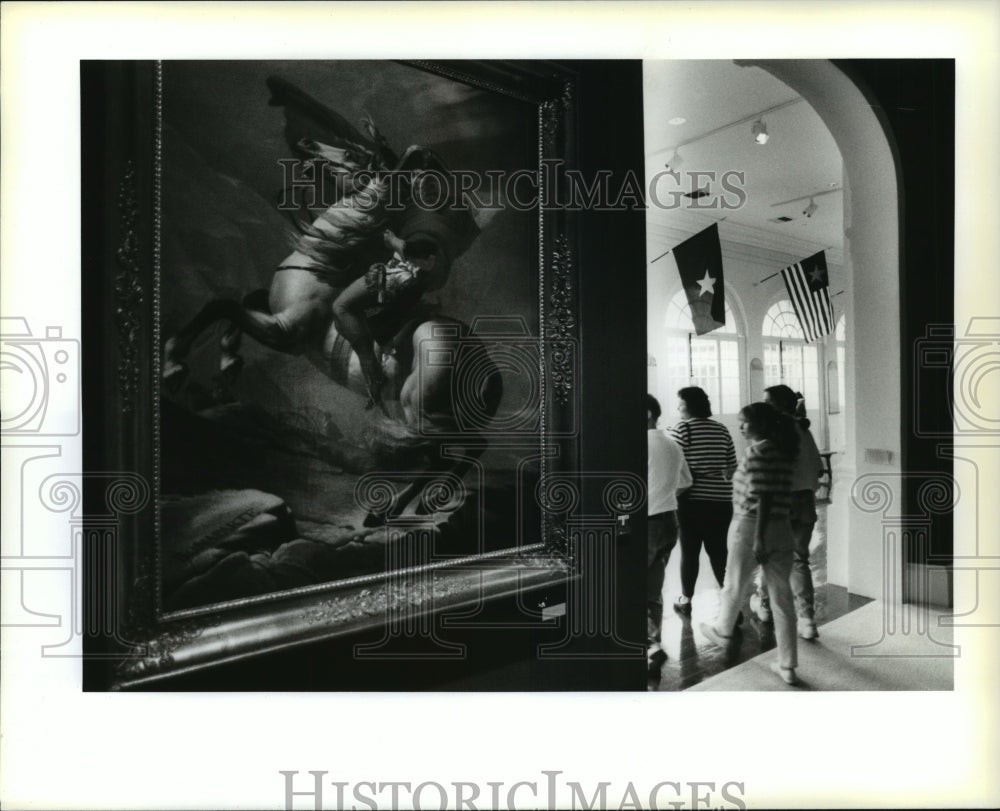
(401, 280)
(346, 269)
(350, 295)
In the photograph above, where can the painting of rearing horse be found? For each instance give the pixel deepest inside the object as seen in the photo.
(377, 246)
(357, 255)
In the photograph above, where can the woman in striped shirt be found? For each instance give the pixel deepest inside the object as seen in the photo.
(761, 532)
(705, 509)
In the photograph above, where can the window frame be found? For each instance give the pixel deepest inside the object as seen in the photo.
(677, 324)
(780, 328)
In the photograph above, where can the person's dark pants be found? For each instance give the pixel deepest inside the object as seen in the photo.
(703, 523)
(661, 535)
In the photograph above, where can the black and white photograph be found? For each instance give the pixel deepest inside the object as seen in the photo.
(326, 480)
(346, 388)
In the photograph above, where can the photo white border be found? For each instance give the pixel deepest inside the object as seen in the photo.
(64, 748)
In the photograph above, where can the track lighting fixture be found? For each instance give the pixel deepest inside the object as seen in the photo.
(675, 161)
(759, 131)
(810, 209)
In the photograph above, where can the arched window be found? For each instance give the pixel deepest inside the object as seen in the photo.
(788, 358)
(782, 322)
(711, 361)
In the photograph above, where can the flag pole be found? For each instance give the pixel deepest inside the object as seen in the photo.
(714, 222)
(775, 274)
(660, 256)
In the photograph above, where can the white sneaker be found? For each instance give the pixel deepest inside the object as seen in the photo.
(762, 612)
(807, 629)
(713, 635)
(786, 674)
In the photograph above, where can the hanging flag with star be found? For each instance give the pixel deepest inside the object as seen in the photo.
(699, 262)
(808, 286)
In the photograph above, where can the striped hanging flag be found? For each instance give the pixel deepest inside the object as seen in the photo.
(808, 286)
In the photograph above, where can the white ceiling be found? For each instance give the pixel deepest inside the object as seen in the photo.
(800, 159)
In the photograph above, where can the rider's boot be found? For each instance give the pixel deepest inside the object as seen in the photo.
(375, 381)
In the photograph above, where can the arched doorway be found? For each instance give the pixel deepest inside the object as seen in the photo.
(872, 264)
(869, 559)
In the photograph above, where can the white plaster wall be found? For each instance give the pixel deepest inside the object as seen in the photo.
(871, 263)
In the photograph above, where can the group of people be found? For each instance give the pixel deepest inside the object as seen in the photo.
(755, 515)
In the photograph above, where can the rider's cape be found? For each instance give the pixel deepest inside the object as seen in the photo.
(346, 238)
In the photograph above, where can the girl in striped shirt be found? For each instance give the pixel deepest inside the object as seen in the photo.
(805, 482)
(760, 532)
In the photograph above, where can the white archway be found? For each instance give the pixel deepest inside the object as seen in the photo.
(872, 267)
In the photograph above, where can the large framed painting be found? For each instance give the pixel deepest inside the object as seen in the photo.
(336, 332)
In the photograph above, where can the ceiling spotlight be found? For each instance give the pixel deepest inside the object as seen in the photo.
(675, 161)
(759, 131)
(810, 209)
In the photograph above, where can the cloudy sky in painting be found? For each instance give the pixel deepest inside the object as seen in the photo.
(220, 109)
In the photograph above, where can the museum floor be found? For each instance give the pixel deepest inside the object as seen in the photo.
(691, 658)
(873, 648)
(853, 651)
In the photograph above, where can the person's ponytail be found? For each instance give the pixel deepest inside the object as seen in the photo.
(800, 410)
(785, 435)
(786, 399)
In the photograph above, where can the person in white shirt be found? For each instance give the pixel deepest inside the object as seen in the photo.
(668, 473)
